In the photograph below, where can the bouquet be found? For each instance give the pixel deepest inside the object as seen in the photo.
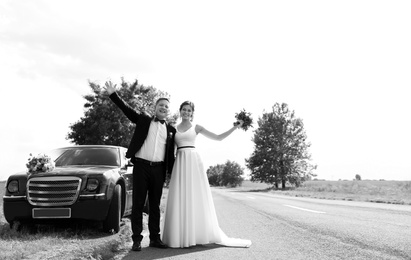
(39, 163)
(246, 117)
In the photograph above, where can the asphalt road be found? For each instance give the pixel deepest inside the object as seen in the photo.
(283, 227)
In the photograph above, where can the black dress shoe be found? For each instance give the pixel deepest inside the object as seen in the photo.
(136, 246)
(158, 243)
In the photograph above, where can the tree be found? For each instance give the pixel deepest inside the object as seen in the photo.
(231, 175)
(357, 177)
(214, 174)
(104, 123)
(281, 149)
(228, 174)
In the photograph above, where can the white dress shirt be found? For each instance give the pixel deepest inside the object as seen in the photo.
(154, 147)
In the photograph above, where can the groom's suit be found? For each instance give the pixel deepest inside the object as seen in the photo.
(147, 176)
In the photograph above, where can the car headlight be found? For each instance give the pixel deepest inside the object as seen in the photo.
(92, 184)
(13, 186)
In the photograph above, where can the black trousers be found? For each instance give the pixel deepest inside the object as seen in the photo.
(146, 180)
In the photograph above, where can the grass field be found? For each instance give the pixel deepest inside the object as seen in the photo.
(394, 192)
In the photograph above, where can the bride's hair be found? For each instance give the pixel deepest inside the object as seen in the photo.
(189, 103)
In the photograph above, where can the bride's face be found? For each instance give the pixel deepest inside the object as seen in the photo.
(186, 112)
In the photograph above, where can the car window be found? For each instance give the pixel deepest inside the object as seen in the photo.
(89, 156)
(56, 153)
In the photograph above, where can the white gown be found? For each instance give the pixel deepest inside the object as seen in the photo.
(190, 217)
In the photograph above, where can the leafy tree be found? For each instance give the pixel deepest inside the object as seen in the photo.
(281, 149)
(357, 177)
(232, 174)
(104, 123)
(214, 174)
(228, 174)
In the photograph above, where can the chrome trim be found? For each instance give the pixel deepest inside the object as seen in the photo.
(14, 197)
(48, 199)
(45, 192)
(53, 190)
(92, 195)
(48, 209)
(48, 185)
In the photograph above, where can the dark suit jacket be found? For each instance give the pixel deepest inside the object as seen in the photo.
(142, 122)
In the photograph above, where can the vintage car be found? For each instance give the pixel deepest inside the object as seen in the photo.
(89, 182)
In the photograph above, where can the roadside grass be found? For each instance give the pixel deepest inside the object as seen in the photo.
(70, 240)
(392, 192)
(73, 241)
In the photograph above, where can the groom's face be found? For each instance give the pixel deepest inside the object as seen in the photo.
(162, 109)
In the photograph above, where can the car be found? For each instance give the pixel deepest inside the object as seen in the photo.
(88, 182)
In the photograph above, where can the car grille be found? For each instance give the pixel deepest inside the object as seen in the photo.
(53, 191)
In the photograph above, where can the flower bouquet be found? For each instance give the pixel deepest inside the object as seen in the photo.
(246, 117)
(39, 163)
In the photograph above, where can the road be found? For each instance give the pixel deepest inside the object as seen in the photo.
(283, 227)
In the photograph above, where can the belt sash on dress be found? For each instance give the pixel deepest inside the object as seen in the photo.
(181, 147)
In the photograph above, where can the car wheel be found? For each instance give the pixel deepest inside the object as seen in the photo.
(113, 218)
(13, 224)
(20, 225)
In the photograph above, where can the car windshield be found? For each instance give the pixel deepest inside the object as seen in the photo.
(86, 156)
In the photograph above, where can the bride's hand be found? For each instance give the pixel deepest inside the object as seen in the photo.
(110, 87)
(239, 124)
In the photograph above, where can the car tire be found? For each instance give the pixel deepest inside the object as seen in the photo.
(12, 224)
(20, 225)
(112, 222)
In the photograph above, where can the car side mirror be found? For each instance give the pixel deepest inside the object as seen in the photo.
(129, 166)
(129, 163)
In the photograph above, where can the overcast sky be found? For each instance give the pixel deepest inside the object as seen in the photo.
(342, 66)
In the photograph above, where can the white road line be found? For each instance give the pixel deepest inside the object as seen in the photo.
(253, 198)
(309, 210)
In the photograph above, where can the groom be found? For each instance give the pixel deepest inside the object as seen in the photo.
(152, 152)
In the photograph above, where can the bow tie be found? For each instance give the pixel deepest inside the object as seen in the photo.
(159, 120)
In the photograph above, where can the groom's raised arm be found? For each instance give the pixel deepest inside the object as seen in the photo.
(128, 111)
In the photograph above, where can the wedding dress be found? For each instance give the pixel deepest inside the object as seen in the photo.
(190, 217)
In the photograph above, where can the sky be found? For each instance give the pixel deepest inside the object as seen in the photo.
(342, 66)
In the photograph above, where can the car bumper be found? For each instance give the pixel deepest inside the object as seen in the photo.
(89, 207)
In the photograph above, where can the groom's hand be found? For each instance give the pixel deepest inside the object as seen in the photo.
(110, 87)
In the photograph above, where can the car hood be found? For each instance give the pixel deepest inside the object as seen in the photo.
(69, 171)
(80, 170)
(76, 171)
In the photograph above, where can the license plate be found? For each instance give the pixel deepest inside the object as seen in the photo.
(52, 213)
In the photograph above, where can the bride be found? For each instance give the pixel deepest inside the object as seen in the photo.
(190, 217)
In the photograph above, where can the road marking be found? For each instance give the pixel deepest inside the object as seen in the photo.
(309, 210)
(253, 198)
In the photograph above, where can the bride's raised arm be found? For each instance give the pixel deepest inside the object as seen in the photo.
(201, 130)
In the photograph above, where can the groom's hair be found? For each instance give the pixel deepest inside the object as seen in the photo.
(162, 98)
